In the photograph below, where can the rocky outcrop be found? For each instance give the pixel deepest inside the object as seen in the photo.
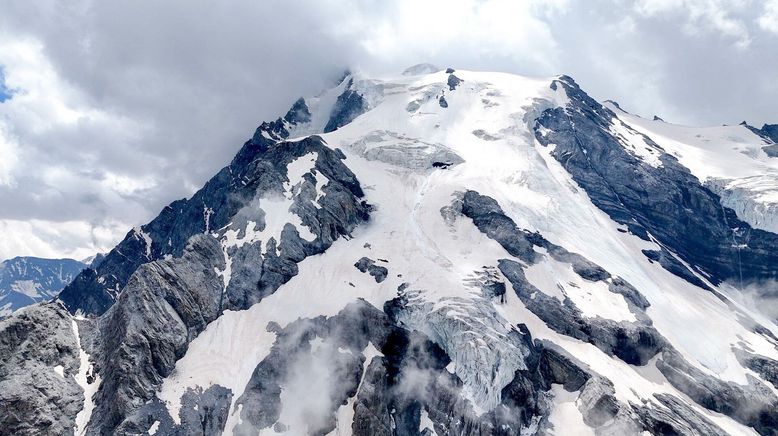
(665, 201)
(39, 357)
(367, 265)
(327, 215)
(349, 105)
(453, 81)
(753, 404)
(771, 131)
(334, 347)
(167, 303)
(203, 413)
(764, 366)
(96, 289)
(672, 416)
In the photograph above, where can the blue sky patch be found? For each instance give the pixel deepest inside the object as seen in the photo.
(5, 93)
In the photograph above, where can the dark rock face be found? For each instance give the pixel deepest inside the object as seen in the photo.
(633, 342)
(28, 280)
(336, 213)
(367, 265)
(349, 105)
(298, 113)
(167, 304)
(259, 168)
(666, 201)
(95, 290)
(169, 301)
(279, 129)
(34, 398)
(453, 81)
(771, 131)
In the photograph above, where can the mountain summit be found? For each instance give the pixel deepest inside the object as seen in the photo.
(438, 252)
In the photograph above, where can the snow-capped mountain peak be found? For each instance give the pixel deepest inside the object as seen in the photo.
(434, 252)
(28, 280)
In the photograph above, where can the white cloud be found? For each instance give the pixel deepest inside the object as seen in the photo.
(769, 19)
(73, 239)
(704, 17)
(461, 31)
(9, 152)
(122, 107)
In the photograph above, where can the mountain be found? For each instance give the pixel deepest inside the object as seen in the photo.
(437, 252)
(28, 280)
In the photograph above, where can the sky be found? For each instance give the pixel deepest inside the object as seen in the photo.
(110, 110)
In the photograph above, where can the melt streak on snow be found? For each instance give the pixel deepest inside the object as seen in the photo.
(84, 370)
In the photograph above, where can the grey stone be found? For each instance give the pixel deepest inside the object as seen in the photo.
(453, 81)
(764, 366)
(349, 105)
(166, 304)
(34, 399)
(367, 265)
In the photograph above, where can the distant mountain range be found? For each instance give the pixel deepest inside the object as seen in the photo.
(28, 280)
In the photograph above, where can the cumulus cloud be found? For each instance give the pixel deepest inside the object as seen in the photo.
(769, 19)
(118, 108)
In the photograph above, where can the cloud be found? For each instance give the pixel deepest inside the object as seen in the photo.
(118, 108)
(701, 17)
(73, 239)
(769, 19)
(759, 297)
